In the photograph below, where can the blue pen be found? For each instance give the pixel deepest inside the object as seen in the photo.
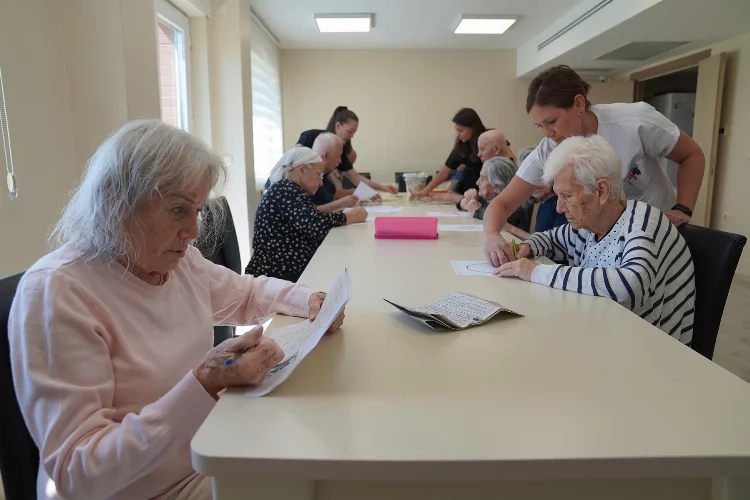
(238, 355)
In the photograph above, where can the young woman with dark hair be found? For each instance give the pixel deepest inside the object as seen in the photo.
(465, 154)
(344, 123)
(558, 104)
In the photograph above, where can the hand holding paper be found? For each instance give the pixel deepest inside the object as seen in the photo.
(364, 192)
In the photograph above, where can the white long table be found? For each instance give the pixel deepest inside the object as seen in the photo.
(580, 399)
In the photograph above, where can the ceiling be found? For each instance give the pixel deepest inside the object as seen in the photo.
(699, 22)
(406, 24)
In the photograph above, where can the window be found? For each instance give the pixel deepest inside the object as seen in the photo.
(173, 40)
(266, 89)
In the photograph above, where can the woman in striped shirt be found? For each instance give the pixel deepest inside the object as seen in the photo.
(625, 250)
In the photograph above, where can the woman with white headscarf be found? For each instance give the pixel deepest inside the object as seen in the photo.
(289, 228)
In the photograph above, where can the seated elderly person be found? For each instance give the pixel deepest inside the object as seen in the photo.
(493, 143)
(111, 334)
(496, 173)
(328, 198)
(490, 144)
(625, 250)
(289, 228)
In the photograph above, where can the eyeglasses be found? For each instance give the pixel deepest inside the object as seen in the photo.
(312, 166)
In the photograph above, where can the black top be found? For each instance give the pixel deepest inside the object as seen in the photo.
(455, 160)
(307, 139)
(325, 193)
(288, 231)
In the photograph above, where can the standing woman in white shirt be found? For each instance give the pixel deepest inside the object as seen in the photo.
(557, 103)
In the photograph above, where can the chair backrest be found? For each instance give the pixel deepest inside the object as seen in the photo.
(224, 251)
(19, 456)
(715, 257)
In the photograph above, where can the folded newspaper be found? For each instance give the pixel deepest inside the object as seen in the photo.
(455, 311)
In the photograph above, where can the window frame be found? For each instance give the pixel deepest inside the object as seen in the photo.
(178, 20)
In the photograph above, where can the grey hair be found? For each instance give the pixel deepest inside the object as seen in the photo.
(325, 142)
(592, 159)
(142, 159)
(523, 154)
(500, 171)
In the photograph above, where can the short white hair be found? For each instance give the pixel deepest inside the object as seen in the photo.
(325, 142)
(292, 159)
(145, 158)
(592, 159)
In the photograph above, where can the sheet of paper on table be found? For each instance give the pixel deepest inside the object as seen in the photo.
(453, 213)
(480, 267)
(364, 192)
(383, 209)
(455, 311)
(460, 227)
(299, 339)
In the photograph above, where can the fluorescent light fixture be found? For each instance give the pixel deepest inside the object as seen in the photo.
(344, 23)
(483, 25)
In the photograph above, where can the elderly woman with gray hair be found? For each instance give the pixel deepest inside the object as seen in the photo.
(289, 228)
(496, 173)
(626, 250)
(111, 333)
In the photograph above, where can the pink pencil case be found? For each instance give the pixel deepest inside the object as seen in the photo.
(406, 228)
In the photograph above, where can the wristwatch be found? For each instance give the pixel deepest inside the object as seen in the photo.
(682, 208)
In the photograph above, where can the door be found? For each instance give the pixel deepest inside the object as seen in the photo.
(706, 129)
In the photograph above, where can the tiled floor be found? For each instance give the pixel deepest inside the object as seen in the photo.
(733, 344)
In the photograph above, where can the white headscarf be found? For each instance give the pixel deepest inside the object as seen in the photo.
(291, 160)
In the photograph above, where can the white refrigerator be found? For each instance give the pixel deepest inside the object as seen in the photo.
(680, 109)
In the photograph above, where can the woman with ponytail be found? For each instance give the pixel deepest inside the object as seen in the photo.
(344, 123)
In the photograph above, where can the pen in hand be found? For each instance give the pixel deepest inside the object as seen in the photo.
(238, 355)
(515, 247)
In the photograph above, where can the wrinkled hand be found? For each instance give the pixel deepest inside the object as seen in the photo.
(524, 251)
(315, 303)
(521, 268)
(472, 206)
(471, 194)
(391, 188)
(496, 249)
(258, 355)
(677, 217)
(419, 195)
(349, 201)
(355, 215)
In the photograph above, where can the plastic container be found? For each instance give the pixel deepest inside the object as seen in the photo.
(415, 182)
(406, 228)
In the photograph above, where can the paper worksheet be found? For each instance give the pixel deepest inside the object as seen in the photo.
(460, 227)
(481, 267)
(451, 213)
(455, 311)
(364, 192)
(299, 339)
(383, 209)
(472, 267)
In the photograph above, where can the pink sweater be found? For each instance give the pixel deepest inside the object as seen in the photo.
(102, 364)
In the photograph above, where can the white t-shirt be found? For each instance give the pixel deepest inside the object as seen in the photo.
(641, 136)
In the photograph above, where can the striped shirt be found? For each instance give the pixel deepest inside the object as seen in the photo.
(643, 263)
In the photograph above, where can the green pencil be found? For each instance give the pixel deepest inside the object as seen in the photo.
(515, 247)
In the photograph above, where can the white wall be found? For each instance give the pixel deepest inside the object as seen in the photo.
(36, 87)
(231, 120)
(111, 56)
(733, 158)
(406, 99)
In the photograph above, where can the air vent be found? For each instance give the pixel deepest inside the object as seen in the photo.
(639, 51)
(596, 8)
(593, 71)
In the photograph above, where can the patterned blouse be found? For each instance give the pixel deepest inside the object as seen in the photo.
(288, 230)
